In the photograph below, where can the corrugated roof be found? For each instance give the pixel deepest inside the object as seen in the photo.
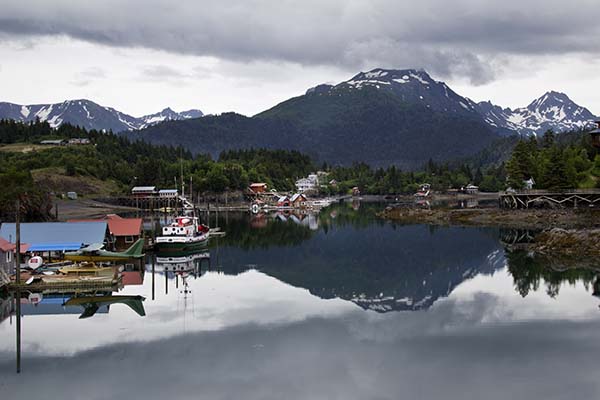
(117, 225)
(167, 191)
(143, 188)
(47, 236)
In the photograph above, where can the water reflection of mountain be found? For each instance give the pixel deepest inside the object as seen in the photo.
(382, 268)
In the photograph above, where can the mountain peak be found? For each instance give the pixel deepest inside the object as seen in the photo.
(88, 114)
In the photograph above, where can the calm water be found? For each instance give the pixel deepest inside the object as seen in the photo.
(339, 306)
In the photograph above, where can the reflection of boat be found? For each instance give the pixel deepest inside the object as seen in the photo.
(96, 253)
(91, 304)
(185, 234)
(186, 262)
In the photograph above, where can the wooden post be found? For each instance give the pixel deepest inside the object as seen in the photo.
(18, 280)
(153, 275)
(18, 242)
(18, 306)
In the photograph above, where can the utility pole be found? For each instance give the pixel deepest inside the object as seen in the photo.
(18, 280)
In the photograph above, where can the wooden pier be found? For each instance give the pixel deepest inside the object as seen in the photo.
(573, 198)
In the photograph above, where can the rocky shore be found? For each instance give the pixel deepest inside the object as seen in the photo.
(566, 237)
(518, 219)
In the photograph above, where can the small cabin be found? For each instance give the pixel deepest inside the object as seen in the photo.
(143, 191)
(595, 134)
(284, 201)
(72, 195)
(471, 189)
(56, 142)
(168, 193)
(258, 187)
(298, 200)
(355, 191)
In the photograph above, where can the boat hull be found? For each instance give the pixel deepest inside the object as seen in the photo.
(183, 248)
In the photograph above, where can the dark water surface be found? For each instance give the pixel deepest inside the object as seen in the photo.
(336, 306)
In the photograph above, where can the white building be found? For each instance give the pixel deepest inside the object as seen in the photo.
(307, 184)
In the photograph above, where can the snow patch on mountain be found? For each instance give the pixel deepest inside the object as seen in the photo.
(553, 110)
(89, 115)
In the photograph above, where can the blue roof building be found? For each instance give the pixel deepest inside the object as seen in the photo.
(57, 236)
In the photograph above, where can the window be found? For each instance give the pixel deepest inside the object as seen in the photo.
(8, 256)
(128, 239)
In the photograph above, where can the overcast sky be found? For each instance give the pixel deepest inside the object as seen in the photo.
(140, 56)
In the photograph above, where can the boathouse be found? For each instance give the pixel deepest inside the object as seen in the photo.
(123, 232)
(298, 200)
(49, 237)
(168, 193)
(143, 191)
(283, 201)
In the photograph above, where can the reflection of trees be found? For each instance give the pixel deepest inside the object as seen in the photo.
(273, 233)
(530, 271)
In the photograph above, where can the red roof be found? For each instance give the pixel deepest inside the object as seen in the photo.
(118, 226)
(7, 246)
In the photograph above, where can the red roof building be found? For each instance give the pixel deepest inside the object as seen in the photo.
(123, 231)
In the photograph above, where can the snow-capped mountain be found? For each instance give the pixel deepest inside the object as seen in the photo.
(410, 85)
(89, 115)
(169, 115)
(553, 110)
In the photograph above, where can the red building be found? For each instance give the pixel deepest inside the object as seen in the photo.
(258, 187)
(123, 231)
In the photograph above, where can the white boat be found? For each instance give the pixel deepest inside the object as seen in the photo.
(184, 234)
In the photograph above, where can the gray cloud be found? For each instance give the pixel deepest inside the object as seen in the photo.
(459, 38)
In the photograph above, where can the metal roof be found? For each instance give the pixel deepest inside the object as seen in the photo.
(595, 131)
(55, 236)
(117, 225)
(167, 191)
(144, 189)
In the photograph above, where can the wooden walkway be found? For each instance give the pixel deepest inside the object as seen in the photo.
(550, 199)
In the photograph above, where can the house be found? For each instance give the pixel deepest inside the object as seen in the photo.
(298, 200)
(528, 184)
(7, 256)
(57, 142)
(72, 195)
(258, 187)
(143, 191)
(307, 184)
(123, 232)
(55, 237)
(355, 191)
(168, 193)
(471, 189)
(79, 141)
(283, 201)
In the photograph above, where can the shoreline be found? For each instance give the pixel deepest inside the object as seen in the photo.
(496, 217)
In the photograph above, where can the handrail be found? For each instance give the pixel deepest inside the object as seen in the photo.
(541, 192)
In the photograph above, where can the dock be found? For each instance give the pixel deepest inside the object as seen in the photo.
(572, 198)
(68, 284)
